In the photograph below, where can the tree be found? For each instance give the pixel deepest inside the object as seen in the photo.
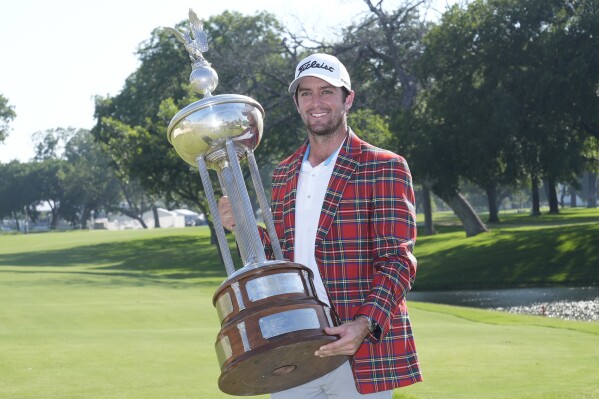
(72, 174)
(18, 193)
(7, 114)
(372, 127)
(567, 84)
(251, 59)
(497, 59)
(573, 51)
(468, 106)
(91, 185)
(49, 178)
(384, 48)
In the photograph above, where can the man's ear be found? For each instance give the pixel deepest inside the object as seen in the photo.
(349, 100)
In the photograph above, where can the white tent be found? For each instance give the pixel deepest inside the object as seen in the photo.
(166, 218)
(191, 218)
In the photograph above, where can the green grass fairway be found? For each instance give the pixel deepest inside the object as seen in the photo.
(108, 315)
(473, 353)
(523, 250)
(128, 314)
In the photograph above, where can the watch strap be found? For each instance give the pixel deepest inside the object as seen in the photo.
(371, 323)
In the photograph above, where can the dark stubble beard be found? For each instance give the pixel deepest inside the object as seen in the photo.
(329, 129)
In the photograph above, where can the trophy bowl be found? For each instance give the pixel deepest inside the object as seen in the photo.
(202, 128)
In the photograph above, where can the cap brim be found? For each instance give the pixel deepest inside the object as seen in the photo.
(295, 83)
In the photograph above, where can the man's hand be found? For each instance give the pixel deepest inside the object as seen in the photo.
(226, 213)
(351, 336)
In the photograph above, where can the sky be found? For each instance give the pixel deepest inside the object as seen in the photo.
(56, 56)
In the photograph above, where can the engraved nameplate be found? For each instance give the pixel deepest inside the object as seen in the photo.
(274, 284)
(223, 350)
(224, 306)
(289, 321)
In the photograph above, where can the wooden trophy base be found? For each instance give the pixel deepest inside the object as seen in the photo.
(272, 323)
(279, 366)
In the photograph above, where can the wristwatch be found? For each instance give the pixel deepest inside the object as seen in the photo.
(371, 323)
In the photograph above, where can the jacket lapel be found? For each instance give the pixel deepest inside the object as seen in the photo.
(347, 161)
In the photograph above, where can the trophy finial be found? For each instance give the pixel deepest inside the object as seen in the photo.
(203, 78)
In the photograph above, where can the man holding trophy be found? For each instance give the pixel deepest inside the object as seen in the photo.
(345, 209)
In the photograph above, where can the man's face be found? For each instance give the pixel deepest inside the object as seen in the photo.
(321, 106)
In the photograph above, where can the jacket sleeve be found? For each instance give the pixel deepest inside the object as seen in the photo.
(393, 231)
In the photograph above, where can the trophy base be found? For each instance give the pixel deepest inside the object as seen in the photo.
(272, 323)
(279, 366)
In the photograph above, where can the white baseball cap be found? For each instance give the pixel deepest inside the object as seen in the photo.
(323, 66)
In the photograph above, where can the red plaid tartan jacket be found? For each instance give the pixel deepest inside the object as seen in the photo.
(363, 249)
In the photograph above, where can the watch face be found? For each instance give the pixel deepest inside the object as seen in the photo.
(371, 324)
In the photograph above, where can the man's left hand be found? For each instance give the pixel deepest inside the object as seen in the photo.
(351, 335)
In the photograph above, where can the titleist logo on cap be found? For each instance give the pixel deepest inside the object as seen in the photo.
(313, 64)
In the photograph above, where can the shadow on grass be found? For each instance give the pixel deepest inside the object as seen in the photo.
(565, 255)
(171, 257)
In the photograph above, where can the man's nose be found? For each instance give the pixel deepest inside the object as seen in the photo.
(316, 98)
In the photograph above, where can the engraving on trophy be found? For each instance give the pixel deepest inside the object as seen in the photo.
(224, 306)
(223, 350)
(289, 321)
(274, 284)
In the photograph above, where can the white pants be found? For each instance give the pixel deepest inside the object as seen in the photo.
(339, 383)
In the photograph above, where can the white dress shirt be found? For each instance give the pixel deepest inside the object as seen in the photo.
(311, 189)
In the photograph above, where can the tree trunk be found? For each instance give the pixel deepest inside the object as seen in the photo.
(552, 196)
(54, 220)
(572, 197)
(592, 191)
(16, 217)
(472, 223)
(84, 217)
(156, 216)
(492, 201)
(563, 192)
(536, 207)
(429, 227)
(133, 215)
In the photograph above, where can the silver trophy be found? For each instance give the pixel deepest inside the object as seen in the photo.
(272, 322)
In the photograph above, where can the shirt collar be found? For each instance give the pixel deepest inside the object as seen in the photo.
(327, 161)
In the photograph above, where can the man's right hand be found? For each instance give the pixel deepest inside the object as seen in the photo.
(226, 213)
